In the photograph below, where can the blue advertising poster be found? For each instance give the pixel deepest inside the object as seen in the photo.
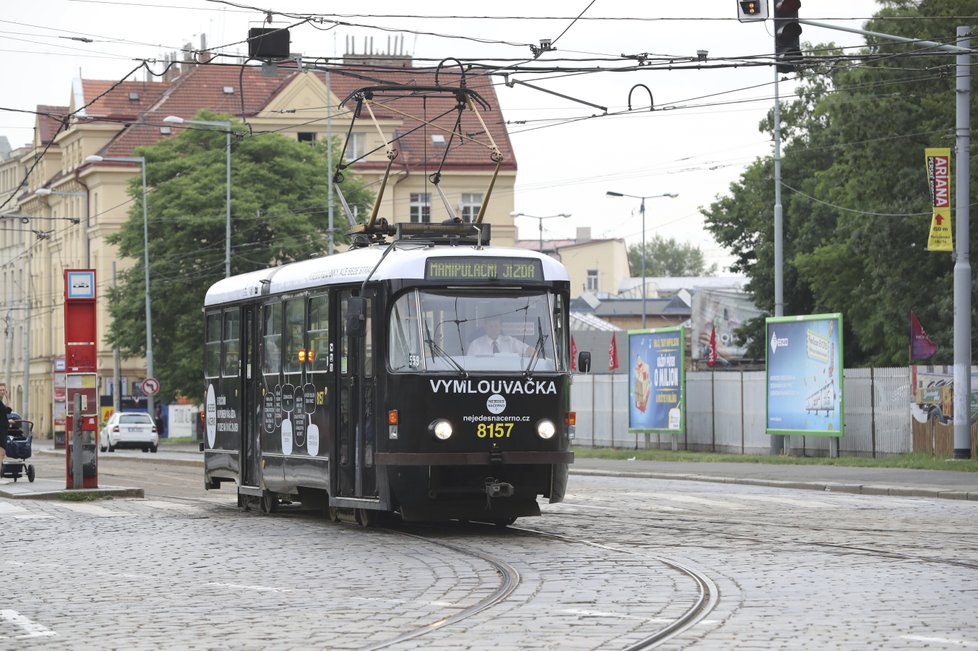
(804, 375)
(656, 381)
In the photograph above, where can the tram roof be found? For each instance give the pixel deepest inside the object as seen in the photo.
(354, 266)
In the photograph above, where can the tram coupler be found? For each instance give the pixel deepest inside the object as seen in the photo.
(496, 488)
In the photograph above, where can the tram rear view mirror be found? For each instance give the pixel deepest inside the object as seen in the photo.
(356, 316)
(584, 361)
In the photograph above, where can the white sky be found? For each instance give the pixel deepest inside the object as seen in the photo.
(696, 152)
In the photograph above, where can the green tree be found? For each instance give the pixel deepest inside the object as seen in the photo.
(855, 199)
(278, 211)
(668, 258)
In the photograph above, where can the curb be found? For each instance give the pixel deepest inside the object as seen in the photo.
(828, 487)
(23, 491)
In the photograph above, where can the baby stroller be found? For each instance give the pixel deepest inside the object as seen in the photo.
(18, 450)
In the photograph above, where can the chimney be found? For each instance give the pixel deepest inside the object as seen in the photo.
(583, 234)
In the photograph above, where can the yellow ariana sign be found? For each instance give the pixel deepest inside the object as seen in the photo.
(939, 179)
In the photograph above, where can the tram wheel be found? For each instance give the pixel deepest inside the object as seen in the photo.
(366, 518)
(269, 502)
(333, 514)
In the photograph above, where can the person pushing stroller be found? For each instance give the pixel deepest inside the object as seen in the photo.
(5, 412)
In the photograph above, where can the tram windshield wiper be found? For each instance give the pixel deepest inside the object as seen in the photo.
(537, 349)
(438, 351)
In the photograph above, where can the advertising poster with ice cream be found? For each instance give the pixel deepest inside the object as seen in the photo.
(804, 375)
(656, 380)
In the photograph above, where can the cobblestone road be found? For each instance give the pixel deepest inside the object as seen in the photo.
(795, 570)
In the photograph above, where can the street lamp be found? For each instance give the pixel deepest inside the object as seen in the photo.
(86, 249)
(540, 221)
(226, 125)
(149, 317)
(641, 209)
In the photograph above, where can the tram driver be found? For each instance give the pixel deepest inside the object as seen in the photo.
(495, 341)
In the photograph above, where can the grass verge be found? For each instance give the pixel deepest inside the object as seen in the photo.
(79, 496)
(915, 461)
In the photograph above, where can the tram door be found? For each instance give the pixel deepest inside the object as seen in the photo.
(357, 424)
(250, 399)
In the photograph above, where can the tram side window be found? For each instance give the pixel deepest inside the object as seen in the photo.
(232, 351)
(212, 345)
(272, 362)
(319, 332)
(294, 335)
(404, 345)
(368, 341)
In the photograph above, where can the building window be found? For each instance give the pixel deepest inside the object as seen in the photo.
(469, 206)
(420, 207)
(592, 280)
(355, 146)
(307, 136)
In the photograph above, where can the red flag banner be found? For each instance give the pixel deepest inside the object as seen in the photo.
(573, 354)
(921, 346)
(612, 354)
(711, 357)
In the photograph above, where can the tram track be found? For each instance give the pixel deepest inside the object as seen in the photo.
(509, 581)
(705, 598)
(707, 593)
(712, 527)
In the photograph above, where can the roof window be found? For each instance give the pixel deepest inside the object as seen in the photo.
(229, 90)
(438, 139)
(133, 96)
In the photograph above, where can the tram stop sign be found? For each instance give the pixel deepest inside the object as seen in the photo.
(151, 386)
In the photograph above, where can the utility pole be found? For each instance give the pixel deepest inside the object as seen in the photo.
(962, 263)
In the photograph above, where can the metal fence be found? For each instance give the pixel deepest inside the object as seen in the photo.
(726, 412)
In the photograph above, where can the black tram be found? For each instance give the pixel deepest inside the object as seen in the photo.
(350, 382)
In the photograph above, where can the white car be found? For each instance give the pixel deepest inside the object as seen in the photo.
(129, 429)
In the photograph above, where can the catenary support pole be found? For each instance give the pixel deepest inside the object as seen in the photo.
(962, 264)
(777, 440)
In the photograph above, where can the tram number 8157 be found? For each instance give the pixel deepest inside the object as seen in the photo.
(494, 430)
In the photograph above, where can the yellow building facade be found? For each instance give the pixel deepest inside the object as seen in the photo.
(61, 206)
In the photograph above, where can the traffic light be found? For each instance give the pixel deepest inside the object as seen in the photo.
(787, 34)
(751, 10)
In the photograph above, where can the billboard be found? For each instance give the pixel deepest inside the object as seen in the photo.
(657, 381)
(726, 310)
(804, 375)
(933, 394)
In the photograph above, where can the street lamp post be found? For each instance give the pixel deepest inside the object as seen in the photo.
(149, 316)
(641, 210)
(539, 221)
(226, 125)
(86, 243)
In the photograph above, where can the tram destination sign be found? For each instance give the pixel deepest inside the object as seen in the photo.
(505, 269)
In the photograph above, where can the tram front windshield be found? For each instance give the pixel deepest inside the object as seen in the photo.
(458, 332)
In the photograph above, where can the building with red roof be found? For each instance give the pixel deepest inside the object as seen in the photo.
(54, 178)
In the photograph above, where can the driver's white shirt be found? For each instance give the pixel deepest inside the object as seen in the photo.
(504, 344)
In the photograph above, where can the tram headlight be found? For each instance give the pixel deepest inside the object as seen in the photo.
(441, 428)
(546, 429)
